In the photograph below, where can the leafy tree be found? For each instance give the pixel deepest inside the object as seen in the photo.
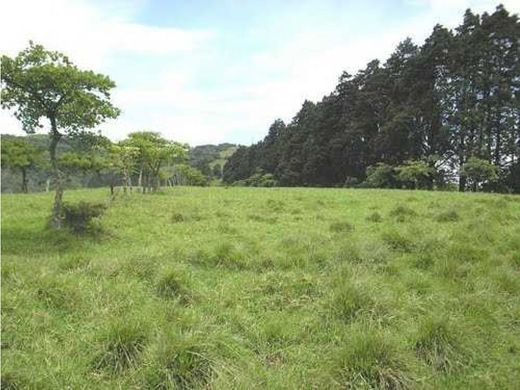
(478, 172)
(185, 175)
(414, 174)
(122, 159)
(18, 154)
(153, 152)
(40, 84)
(455, 97)
(381, 175)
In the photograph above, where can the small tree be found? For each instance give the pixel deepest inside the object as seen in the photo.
(18, 154)
(153, 152)
(414, 174)
(479, 172)
(186, 175)
(40, 84)
(121, 160)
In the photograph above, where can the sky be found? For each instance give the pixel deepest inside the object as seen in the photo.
(220, 71)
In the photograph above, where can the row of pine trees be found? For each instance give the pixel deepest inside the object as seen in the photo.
(452, 100)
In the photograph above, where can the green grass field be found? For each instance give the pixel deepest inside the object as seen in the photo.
(264, 288)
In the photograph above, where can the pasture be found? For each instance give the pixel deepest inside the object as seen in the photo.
(264, 288)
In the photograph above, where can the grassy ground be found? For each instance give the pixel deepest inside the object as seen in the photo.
(265, 288)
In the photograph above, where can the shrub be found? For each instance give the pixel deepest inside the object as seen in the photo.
(414, 174)
(79, 217)
(380, 176)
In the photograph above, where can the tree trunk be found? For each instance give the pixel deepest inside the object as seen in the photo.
(58, 176)
(462, 183)
(125, 180)
(24, 181)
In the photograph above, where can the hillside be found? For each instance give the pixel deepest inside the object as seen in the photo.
(264, 288)
(206, 157)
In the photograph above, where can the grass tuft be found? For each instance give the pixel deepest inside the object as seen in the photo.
(341, 227)
(448, 216)
(437, 343)
(374, 217)
(397, 241)
(121, 346)
(172, 284)
(179, 362)
(369, 360)
(402, 213)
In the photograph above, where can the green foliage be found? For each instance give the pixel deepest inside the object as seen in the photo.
(413, 120)
(380, 176)
(38, 84)
(259, 179)
(18, 154)
(80, 216)
(152, 152)
(414, 174)
(183, 174)
(479, 172)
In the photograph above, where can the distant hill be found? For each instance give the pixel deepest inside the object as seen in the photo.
(207, 157)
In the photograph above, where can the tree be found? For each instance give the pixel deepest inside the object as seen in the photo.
(122, 159)
(186, 175)
(39, 84)
(153, 152)
(380, 175)
(479, 172)
(414, 174)
(18, 154)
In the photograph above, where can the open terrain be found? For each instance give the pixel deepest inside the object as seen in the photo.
(264, 288)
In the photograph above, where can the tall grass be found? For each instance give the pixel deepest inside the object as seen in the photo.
(264, 288)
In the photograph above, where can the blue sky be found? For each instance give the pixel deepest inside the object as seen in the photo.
(221, 71)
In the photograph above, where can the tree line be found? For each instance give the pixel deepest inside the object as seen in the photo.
(440, 115)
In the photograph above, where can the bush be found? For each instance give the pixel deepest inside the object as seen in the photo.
(415, 174)
(380, 176)
(79, 217)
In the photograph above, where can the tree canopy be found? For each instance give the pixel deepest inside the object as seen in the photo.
(39, 84)
(454, 98)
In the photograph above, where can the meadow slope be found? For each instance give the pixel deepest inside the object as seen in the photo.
(264, 288)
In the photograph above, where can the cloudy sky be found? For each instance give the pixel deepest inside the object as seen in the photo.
(220, 71)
